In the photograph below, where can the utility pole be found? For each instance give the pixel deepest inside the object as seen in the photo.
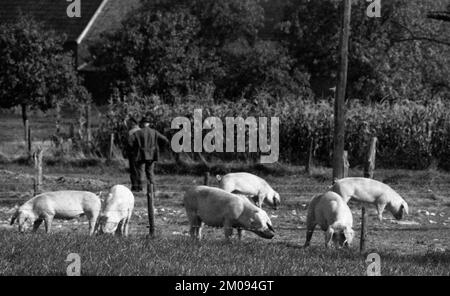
(339, 103)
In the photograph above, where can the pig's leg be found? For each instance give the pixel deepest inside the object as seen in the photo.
(127, 223)
(36, 224)
(92, 218)
(119, 229)
(199, 231)
(196, 230)
(261, 198)
(310, 225)
(48, 223)
(195, 226)
(329, 237)
(97, 225)
(228, 229)
(380, 210)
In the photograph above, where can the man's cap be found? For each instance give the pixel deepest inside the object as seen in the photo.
(146, 119)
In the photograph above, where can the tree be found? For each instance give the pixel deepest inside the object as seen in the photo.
(156, 52)
(176, 48)
(35, 72)
(399, 55)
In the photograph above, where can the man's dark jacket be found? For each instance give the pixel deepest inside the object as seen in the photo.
(144, 144)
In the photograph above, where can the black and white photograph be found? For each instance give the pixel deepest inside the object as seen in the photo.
(224, 144)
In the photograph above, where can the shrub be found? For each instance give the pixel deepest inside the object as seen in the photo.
(410, 135)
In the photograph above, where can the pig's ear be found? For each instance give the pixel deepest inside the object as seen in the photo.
(405, 209)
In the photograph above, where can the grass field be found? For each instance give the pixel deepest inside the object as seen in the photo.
(419, 245)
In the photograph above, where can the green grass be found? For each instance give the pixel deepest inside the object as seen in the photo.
(36, 254)
(420, 249)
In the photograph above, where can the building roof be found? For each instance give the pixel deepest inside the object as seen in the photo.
(97, 17)
(52, 14)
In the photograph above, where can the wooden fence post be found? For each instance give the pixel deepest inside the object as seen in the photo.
(346, 164)
(151, 208)
(37, 156)
(58, 119)
(88, 124)
(111, 147)
(29, 140)
(206, 178)
(362, 241)
(309, 163)
(369, 168)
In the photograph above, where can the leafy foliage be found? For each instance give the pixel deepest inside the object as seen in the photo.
(410, 134)
(34, 69)
(401, 55)
(207, 48)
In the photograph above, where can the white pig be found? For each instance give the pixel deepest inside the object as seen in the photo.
(333, 215)
(248, 184)
(117, 212)
(63, 205)
(218, 208)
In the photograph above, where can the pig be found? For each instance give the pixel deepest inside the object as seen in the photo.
(333, 215)
(64, 205)
(117, 211)
(250, 185)
(374, 192)
(218, 208)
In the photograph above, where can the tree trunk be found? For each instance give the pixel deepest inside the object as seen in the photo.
(88, 124)
(339, 105)
(58, 119)
(309, 163)
(26, 127)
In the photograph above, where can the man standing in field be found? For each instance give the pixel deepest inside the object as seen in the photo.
(134, 174)
(146, 151)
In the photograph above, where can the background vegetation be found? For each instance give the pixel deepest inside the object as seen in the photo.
(245, 58)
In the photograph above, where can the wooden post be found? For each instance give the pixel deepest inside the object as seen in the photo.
(111, 147)
(38, 155)
(346, 164)
(309, 163)
(71, 131)
(88, 123)
(339, 103)
(151, 209)
(362, 241)
(58, 119)
(26, 127)
(206, 178)
(369, 166)
(29, 139)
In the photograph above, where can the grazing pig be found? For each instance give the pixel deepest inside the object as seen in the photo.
(117, 212)
(333, 215)
(248, 184)
(218, 208)
(372, 191)
(64, 205)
